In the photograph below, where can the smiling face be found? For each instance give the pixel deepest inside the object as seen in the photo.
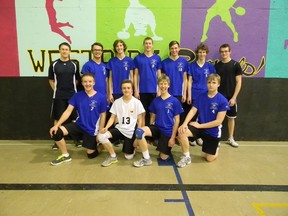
(174, 50)
(88, 82)
(148, 45)
(119, 48)
(97, 52)
(64, 52)
(127, 89)
(225, 53)
(163, 86)
(201, 55)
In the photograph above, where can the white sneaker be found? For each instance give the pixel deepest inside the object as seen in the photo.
(184, 161)
(143, 162)
(232, 142)
(109, 161)
(192, 143)
(199, 142)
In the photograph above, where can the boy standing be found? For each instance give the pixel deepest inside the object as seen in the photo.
(231, 81)
(147, 70)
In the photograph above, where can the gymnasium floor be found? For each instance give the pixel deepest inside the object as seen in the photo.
(251, 180)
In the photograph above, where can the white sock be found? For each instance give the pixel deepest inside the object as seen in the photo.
(66, 155)
(113, 155)
(146, 154)
(187, 154)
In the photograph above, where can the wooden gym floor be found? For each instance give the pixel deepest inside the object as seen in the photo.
(251, 180)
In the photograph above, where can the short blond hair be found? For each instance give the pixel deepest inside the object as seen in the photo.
(162, 78)
(214, 76)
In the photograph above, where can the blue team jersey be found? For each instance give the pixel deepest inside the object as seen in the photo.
(147, 69)
(208, 109)
(175, 71)
(120, 71)
(199, 77)
(165, 111)
(89, 110)
(100, 72)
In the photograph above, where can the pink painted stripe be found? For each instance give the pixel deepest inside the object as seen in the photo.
(8, 40)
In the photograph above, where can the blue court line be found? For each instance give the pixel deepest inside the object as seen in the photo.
(171, 162)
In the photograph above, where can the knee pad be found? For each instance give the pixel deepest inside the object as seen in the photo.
(58, 135)
(103, 138)
(140, 134)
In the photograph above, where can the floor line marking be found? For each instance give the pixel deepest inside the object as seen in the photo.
(259, 207)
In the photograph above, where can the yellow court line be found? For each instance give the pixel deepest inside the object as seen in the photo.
(259, 206)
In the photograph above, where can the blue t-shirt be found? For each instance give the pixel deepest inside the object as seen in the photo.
(89, 110)
(175, 71)
(208, 109)
(147, 71)
(165, 111)
(120, 71)
(199, 77)
(100, 72)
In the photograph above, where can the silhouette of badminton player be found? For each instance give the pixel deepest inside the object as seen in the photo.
(222, 8)
(56, 26)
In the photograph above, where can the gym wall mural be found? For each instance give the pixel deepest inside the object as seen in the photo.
(31, 31)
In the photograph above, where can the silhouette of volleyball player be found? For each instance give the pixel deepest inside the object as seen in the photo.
(222, 8)
(56, 26)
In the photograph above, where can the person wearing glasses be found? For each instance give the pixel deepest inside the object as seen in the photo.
(230, 72)
(97, 67)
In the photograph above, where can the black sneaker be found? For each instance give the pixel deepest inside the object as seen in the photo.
(78, 143)
(55, 147)
(61, 159)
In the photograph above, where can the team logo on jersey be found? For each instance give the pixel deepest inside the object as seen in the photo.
(180, 66)
(92, 104)
(153, 63)
(126, 65)
(131, 111)
(104, 70)
(206, 72)
(169, 106)
(214, 107)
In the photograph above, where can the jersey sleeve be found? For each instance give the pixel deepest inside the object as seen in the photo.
(50, 72)
(178, 109)
(212, 68)
(85, 68)
(104, 104)
(238, 69)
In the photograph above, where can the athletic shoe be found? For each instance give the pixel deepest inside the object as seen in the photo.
(232, 142)
(142, 162)
(192, 143)
(61, 159)
(55, 147)
(109, 161)
(184, 161)
(78, 143)
(199, 142)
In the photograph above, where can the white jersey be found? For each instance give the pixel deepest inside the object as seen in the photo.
(127, 114)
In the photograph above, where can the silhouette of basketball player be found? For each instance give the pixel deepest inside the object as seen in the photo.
(222, 8)
(56, 26)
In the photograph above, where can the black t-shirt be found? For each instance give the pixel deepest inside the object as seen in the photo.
(65, 75)
(228, 72)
